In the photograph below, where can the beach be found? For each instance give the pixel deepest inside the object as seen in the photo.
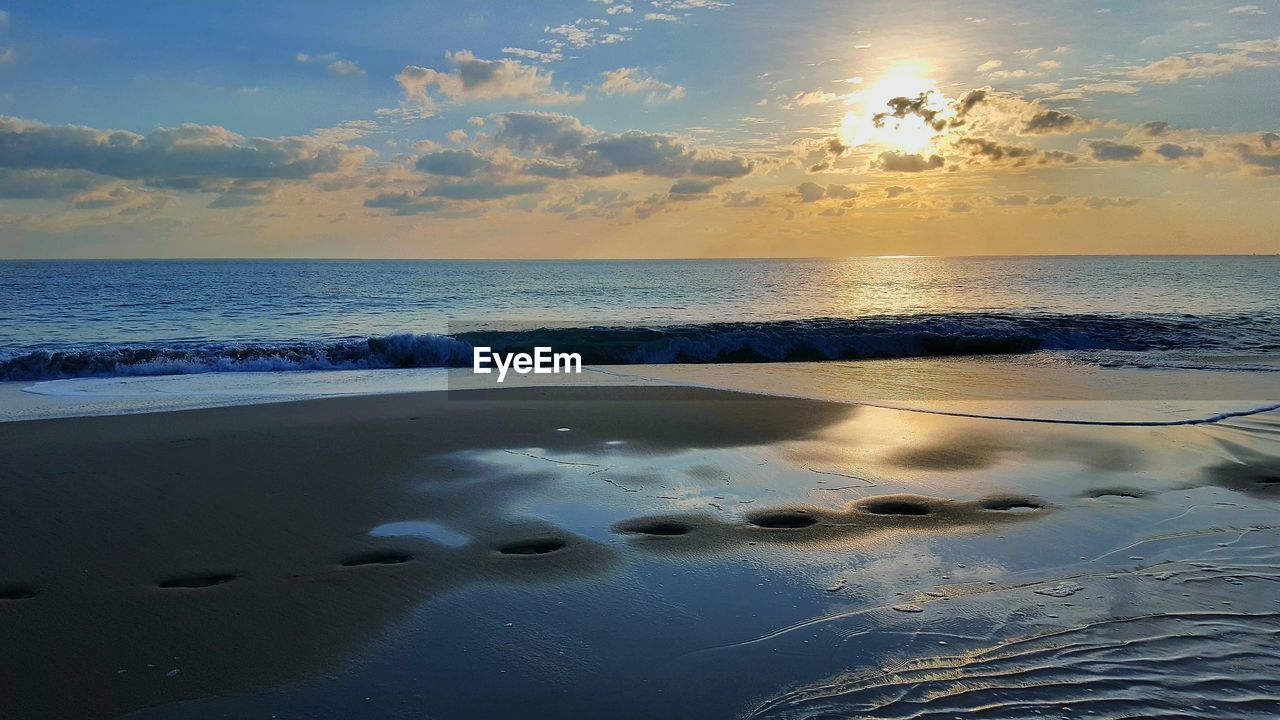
(634, 552)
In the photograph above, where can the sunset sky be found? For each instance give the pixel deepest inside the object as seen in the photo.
(638, 128)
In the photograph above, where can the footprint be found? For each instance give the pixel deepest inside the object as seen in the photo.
(1117, 493)
(197, 581)
(532, 547)
(18, 592)
(378, 557)
(895, 507)
(656, 527)
(1012, 504)
(782, 519)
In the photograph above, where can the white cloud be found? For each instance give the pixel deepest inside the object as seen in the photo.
(1246, 10)
(475, 79)
(635, 81)
(346, 67)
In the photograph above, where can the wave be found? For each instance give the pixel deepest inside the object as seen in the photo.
(715, 342)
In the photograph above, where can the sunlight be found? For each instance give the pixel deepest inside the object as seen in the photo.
(909, 134)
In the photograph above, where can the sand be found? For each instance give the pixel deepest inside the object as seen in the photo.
(630, 552)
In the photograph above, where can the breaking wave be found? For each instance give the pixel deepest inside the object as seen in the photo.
(715, 342)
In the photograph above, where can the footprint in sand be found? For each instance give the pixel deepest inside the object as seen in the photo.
(782, 519)
(18, 592)
(192, 582)
(542, 546)
(378, 557)
(664, 528)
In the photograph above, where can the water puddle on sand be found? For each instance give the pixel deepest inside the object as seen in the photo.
(422, 529)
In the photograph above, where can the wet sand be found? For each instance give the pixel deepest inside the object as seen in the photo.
(633, 552)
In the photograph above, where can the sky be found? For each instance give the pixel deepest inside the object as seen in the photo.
(638, 128)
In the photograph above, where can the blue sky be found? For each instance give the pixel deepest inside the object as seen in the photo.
(698, 127)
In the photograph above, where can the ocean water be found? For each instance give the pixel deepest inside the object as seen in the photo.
(69, 319)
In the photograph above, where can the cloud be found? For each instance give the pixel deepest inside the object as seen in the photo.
(45, 184)
(988, 66)
(535, 55)
(1255, 46)
(901, 162)
(1110, 202)
(182, 156)
(548, 133)
(811, 192)
(582, 33)
(634, 81)
(1049, 199)
(1110, 151)
(333, 62)
(894, 191)
(1199, 66)
(661, 17)
(1047, 122)
(741, 199)
(841, 192)
(1011, 200)
(1155, 128)
(7, 55)
(597, 154)
(346, 67)
(992, 152)
(1246, 10)
(696, 186)
(452, 163)
(474, 79)
(1171, 151)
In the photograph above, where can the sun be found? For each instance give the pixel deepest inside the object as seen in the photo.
(907, 134)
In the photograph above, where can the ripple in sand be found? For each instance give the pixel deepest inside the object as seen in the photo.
(1189, 665)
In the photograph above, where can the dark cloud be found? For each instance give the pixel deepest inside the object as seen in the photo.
(1155, 128)
(901, 107)
(187, 154)
(827, 153)
(991, 152)
(452, 163)
(1011, 200)
(841, 192)
(1170, 151)
(549, 133)
(1050, 199)
(1051, 122)
(1109, 151)
(742, 199)
(810, 192)
(894, 191)
(901, 162)
(596, 154)
(45, 184)
(696, 186)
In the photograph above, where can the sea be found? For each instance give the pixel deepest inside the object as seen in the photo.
(111, 318)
